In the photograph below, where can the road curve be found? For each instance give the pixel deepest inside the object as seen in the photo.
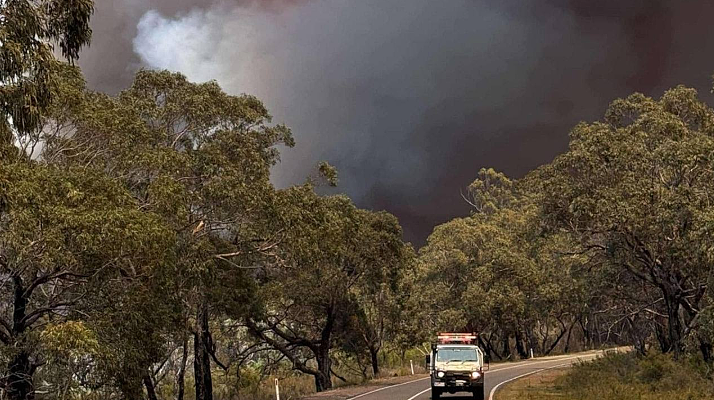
(496, 377)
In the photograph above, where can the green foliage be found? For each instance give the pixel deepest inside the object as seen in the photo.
(328, 172)
(28, 32)
(333, 261)
(613, 236)
(200, 160)
(635, 191)
(69, 340)
(497, 273)
(67, 239)
(491, 191)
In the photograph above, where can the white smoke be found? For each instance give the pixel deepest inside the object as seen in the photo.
(329, 70)
(234, 46)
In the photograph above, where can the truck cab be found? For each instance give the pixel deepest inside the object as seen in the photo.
(456, 364)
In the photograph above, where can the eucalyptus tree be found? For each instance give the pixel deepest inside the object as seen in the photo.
(636, 190)
(380, 292)
(331, 255)
(498, 272)
(200, 159)
(29, 32)
(476, 278)
(65, 235)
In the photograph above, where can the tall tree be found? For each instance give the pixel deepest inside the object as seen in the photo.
(636, 189)
(199, 158)
(378, 291)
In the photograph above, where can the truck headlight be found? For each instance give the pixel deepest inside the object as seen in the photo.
(475, 374)
(440, 374)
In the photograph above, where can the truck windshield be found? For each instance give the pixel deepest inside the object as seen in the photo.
(456, 354)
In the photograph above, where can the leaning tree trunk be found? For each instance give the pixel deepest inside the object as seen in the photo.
(150, 388)
(567, 340)
(486, 344)
(202, 356)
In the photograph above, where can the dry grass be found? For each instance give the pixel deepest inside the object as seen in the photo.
(619, 377)
(540, 386)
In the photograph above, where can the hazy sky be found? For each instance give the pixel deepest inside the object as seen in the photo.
(409, 98)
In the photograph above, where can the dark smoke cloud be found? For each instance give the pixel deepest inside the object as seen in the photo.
(410, 98)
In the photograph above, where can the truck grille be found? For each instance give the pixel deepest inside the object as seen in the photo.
(458, 375)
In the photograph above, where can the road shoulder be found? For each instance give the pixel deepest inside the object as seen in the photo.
(350, 392)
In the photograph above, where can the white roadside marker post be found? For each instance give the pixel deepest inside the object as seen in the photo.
(411, 363)
(277, 390)
(531, 352)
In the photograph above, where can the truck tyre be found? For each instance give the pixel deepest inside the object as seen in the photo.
(435, 394)
(479, 393)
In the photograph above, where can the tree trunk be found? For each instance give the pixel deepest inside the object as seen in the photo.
(563, 330)
(150, 389)
(519, 345)
(662, 337)
(374, 352)
(506, 347)
(705, 346)
(489, 347)
(19, 379)
(322, 378)
(180, 381)
(674, 325)
(586, 333)
(567, 340)
(202, 357)
(19, 385)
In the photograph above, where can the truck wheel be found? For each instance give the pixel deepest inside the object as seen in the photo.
(435, 394)
(479, 393)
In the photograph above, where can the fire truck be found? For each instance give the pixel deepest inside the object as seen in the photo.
(456, 364)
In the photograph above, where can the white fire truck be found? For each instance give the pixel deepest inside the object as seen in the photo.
(456, 364)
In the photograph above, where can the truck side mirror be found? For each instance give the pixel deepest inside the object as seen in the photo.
(427, 361)
(487, 365)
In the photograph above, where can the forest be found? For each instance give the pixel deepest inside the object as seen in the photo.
(145, 253)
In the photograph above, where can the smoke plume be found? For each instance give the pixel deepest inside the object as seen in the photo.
(410, 98)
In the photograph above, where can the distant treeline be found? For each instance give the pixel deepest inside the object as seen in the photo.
(144, 252)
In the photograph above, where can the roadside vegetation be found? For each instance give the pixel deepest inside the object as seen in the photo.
(145, 254)
(619, 377)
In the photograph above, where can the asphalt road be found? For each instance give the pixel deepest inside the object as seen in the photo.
(497, 376)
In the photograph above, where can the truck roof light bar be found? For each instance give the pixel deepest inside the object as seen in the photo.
(454, 338)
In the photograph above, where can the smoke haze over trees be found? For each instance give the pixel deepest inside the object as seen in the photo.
(408, 102)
